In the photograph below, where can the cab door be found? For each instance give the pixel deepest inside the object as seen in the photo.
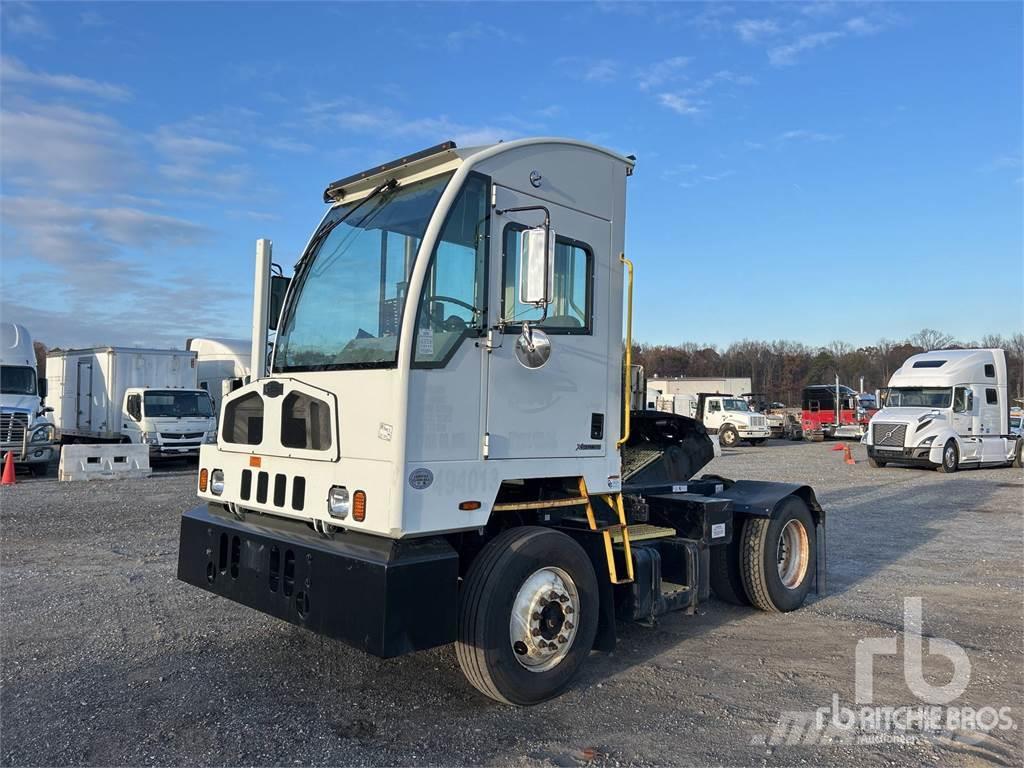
(965, 409)
(561, 408)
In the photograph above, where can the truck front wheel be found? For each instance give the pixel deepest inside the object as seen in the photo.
(950, 458)
(527, 616)
(728, 436)
(779, 556)
(876, 463)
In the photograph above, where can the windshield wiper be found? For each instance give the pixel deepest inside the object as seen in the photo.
(321, 234)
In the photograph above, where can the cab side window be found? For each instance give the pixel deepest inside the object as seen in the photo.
(452, 305)
(135, 407)
(963, 400)
(571, 299)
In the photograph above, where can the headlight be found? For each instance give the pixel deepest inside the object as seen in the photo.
(338, 502)
(217, 482)
(150, 438)
(210, 438)
(41, 436)
(926, 442)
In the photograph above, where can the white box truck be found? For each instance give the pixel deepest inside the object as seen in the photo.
(727, 416)
(694, 385)
(25, 426)
(946, 409)
(222, 365)
(129, 395)
(442, 449)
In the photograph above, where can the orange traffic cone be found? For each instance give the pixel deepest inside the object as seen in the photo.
(8, 478)
(848, 457)
(837, 447)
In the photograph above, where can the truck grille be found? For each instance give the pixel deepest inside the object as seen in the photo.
(889, 434)
(181, 435)
(298, 494)
(757, 421)
(12, 427)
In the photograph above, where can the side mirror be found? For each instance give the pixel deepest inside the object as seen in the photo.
(536, 266)
(42, 388)
(278, 288)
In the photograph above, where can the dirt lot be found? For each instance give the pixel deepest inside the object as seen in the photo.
(108, 660)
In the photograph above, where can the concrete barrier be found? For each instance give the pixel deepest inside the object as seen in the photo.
(110, 461)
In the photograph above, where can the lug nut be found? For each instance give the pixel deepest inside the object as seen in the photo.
(536, 616)
(552, 595)
(569, 625)
(563, 639)
(543, 602)
(563, 598)
(569, 609)
(535, 632)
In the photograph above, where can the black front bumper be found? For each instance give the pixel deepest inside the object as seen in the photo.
(903, 455)
(383, 596)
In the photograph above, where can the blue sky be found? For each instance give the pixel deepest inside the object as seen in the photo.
(818, 171)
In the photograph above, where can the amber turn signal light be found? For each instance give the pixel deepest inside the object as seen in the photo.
(203, 477)
(359, 506)
(469, 506)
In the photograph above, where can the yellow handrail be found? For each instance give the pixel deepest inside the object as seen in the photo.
(629, 354)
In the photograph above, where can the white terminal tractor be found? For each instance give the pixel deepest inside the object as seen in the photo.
(441, 446)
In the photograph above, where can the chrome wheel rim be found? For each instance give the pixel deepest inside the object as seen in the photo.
(545, 619)
(793, 554)
(950, 456)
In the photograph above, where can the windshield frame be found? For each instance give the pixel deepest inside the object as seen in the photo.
(745, 409)
(307, 261)
(174, 392)
(34, 379)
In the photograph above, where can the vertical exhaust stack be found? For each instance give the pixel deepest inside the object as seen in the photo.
(260, 308)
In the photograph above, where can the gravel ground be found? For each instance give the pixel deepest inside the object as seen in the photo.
(108, 660)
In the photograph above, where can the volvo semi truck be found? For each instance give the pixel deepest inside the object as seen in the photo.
(443, 448)
(946, 409)
(26, 430)
(131, 395)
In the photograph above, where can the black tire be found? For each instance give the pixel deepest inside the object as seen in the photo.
(876, 463)
(760, 551)
(484, 645)
(950, 458)
(724, 575)
(38, 469)
(728, 437)
(757, 441)
(1018, 456)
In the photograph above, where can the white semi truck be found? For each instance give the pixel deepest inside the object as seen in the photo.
(946, 409)
(222, 365)
(25, 426)
(727, 416)
(443, 449)
(129, 395)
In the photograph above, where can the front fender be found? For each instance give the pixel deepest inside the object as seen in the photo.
(941, 438)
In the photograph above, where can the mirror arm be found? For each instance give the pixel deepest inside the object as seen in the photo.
(547, 245)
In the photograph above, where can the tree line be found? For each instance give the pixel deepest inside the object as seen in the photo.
(781, 369)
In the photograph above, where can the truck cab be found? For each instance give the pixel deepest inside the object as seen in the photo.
(174, 423)
(732, 419)
(26, 429)
(946, 409)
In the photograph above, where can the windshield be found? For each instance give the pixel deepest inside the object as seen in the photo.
(17, 380)
(917, 397)
(158, 403)
(346, 308)
(735, 404)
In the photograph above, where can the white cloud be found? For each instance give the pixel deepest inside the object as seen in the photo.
(678, 104)
(803, 134)
(786, 55)
(13, 71)
(589, 70)
(456, 39)
(755, 30)
(64, 150)
(861, 26)
(662, 72)
(22, 20)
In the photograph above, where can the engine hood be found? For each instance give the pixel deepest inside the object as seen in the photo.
(907, 415)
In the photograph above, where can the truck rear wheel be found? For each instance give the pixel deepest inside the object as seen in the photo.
(724, 573)
(728, 436)
(950, 458)
(1018, 455)
(527, 616)
(779, 556)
